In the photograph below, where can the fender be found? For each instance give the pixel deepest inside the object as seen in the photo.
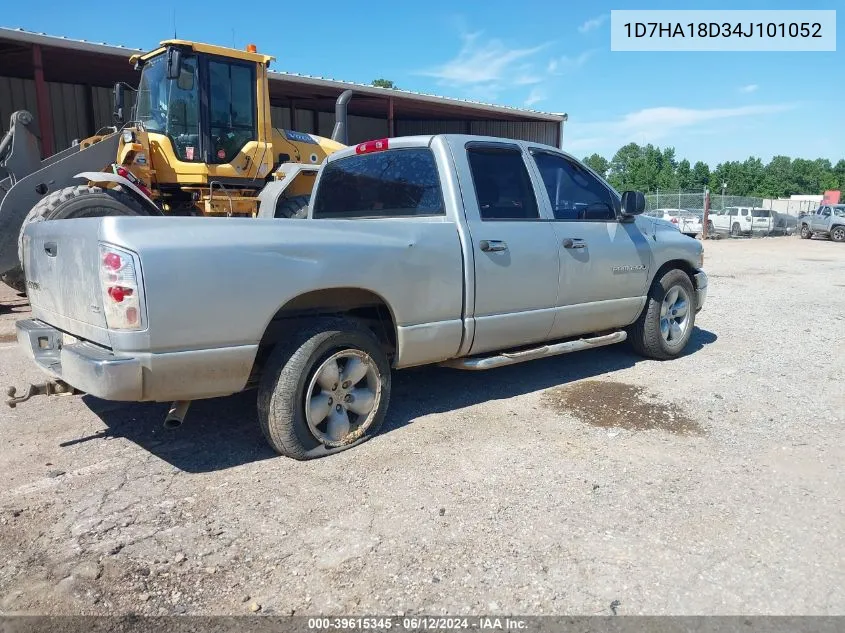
(98, 177)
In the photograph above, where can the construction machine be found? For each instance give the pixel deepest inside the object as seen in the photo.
(200, 141)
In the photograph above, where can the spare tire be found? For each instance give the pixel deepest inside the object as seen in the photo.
(81, 201)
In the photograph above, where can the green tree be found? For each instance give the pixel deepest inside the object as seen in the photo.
(598, 164)
(685, 175)
(700, 175)
(384, 83)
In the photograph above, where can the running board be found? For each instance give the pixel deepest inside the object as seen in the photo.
(480, 363)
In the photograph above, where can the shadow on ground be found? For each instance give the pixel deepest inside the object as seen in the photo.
(223, 432)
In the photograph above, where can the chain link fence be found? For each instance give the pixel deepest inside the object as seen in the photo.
(737, 216)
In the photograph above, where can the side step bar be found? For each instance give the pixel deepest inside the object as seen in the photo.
(480, 363)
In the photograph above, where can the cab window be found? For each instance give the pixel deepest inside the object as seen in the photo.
(574, 193)
(231, 108)
(502, 184)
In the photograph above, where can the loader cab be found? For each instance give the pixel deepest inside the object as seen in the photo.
(207, 105)
(207, 113)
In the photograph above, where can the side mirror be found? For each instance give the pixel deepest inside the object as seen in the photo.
(174, 63)
(118, 102)
(633, 203)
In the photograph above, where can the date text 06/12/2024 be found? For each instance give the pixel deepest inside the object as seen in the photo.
(723, 30)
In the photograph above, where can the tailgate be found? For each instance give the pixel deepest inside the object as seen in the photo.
(63, 284)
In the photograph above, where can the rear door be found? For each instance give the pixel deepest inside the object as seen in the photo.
(604, 263)
(514, 248)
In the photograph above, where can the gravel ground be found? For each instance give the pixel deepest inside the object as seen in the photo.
(712, 484)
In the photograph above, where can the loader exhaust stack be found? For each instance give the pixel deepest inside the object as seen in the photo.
(341, 128)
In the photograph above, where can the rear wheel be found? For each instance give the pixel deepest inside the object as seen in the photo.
(665, 325)
(81, 201)
(324, 389)
(806, 233)
(295, 207)
(735, 230)
(837, 234)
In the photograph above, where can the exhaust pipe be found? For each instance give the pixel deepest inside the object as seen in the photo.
(177, 413)
(341, 128)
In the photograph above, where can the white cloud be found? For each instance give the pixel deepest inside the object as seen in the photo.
(536, 95)
(593, 23)
(564, 64)
(486, 62)
(652, 125)
(749, 88)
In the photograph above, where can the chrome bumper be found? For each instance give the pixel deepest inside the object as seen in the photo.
(700, 280)
(82, 365)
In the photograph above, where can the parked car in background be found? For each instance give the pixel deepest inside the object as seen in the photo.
(828, 220)
(688, 222)
(785, 224)
(762, 221)
(733, 220)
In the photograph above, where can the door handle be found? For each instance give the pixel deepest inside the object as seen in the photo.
(574, 242)
(493, 246)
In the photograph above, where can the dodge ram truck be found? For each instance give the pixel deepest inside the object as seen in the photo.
(469, 252)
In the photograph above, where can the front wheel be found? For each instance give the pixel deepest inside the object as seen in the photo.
(666, 323)
(806, 233)
(837, 234)
(323, 390)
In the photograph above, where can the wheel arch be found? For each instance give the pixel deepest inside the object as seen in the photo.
(360, 304)
(680, 264)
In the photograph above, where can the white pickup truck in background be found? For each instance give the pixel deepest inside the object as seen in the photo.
(470, 252)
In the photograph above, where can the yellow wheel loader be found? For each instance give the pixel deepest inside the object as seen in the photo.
(200, 142)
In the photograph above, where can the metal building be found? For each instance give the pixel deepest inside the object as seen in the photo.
(67, 84)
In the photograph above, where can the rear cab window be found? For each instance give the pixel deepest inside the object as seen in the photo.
(502, 184)
(394, 183)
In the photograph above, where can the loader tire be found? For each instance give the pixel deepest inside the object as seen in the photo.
(295, 207)
(15, 279)
(80, 201)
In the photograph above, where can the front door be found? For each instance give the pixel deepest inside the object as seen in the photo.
(604, 263)
(514, 249)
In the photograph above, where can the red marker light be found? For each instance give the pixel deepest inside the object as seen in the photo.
(372, 146)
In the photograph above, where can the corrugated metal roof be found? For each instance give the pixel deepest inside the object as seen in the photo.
(22, 35)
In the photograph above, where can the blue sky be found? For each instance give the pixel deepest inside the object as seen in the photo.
(549, 56)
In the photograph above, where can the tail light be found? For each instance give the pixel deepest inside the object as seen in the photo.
(121, 300)
(673, 220)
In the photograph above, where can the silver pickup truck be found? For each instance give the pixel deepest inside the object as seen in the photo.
(469, 252)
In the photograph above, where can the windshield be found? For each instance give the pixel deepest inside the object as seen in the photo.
(171, 106)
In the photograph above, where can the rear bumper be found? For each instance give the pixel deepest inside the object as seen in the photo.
(700, 280)
(143, 376)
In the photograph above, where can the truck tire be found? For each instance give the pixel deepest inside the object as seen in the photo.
(14, 279)
(296, 207)
(307, 407)
(735, 230)
(806, 233)
(80, 201)
(837, 233)
(666, 323)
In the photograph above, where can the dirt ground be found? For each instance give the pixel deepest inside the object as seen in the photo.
(712, 484)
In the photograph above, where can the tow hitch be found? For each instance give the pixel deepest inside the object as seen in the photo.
(49, 388)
